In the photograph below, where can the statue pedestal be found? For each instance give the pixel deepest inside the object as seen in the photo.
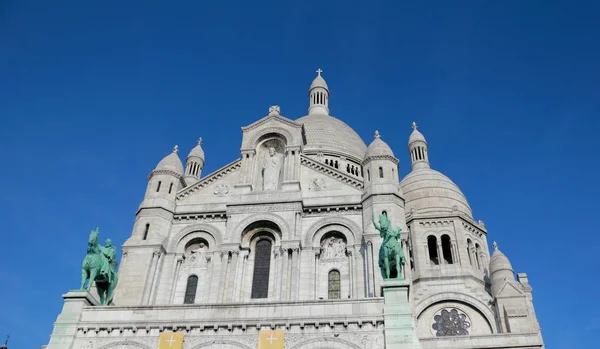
(399, 323)
(65, 326)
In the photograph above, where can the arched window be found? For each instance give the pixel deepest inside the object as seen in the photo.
(170, 187)
(158, 186)
(432, 247)
(190, 290)
(469, 247)
(262, 267)
(477, 256)
(334, 285)
(447, 249)
(146, 231)
(381, 172)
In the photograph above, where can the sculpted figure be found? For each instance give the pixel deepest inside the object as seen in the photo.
(100, 265)
(270, 170)
(391, 254)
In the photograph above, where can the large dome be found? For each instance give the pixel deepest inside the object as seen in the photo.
(326, 133)
(428, 191)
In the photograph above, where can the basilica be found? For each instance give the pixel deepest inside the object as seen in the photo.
(278, 249)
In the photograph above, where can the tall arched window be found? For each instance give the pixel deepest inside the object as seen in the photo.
(170, 187)
(477, 256)
(334, 285)
(447, 249)
(158, 186)
(190, 290)
(432, 247)
(469, 247)
(146, 231)
(262, 267)
(381, 172)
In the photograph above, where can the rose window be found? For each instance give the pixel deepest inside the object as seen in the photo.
(451, 323)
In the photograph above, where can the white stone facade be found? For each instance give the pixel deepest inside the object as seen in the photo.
(306, 190)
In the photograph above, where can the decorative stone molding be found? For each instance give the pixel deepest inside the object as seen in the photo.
(221, 190)
(284, 228)
(317, 184)
(206, 217)
(352, 227)
(146, 212)
(262, 197)
(383, 199)
(435, 223)
(210, 230)
(244, 209)
(211, 178)
(331, 172)
(163, 172)
(251, 142)
(334, 342)
(472, 229)
(331, 210)
(129, 342)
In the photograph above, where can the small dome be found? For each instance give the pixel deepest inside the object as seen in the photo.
(378, 147)
(429, 191)
(197, 151)
(319, 81)
(171, 162)
(499, 261)
(415, 136)
(326, 133)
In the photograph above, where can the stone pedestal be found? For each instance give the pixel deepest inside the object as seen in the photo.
(399, 323)
(65, 326)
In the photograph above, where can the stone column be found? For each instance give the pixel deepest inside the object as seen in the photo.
(351, 266)
(285, 279)
(295, 274)
(150, 277)
(370, 273)
(277, 263)
(232, 275)
(65, 326)
(178, 262)
(222, 291)
(316, 273)
(156, 279)
(440, 253)
(241, 275)
(400, 329)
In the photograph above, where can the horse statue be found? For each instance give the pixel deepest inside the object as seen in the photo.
(99, 265)
(391, 253)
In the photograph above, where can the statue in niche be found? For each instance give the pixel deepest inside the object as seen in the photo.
(333, 248)
(271, 167)
(198, 255)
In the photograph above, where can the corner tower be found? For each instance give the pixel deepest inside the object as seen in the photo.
(319, 96)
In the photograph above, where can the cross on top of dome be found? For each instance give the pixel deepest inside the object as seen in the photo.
(175, 149)
(377, 134)
(414, 125)
(319, 71)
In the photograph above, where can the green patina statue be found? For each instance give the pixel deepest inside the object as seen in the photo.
(100, 265)
(391, 254)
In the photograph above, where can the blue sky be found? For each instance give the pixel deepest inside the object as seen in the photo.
(93, 96)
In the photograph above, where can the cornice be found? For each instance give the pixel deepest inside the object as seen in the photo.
(331, 172)
(211, 178)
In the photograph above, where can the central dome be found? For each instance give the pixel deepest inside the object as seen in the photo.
(326, 133)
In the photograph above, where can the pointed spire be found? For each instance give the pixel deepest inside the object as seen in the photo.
(319, 96)
(417, 148)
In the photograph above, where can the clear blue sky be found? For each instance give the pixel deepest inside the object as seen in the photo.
(93, 96)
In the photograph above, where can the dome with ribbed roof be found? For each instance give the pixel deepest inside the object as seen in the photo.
(430, 192)
(328, 134)
(378, 148)
(171, 162)
(416, 136)
(197, 151)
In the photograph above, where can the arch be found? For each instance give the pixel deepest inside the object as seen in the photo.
(126, 342)
(447, 249)
(432, 249)
(286, 136)
(283, 226)
(217, 343)
(349, 228)
(261, 269)
(326, 342)
(478, 305)
(206, 231)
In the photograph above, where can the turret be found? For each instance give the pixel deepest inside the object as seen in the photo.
(380, 168)
(163, 182)
(417, 147)
(501, 270)
(319, 96)
(194, 164)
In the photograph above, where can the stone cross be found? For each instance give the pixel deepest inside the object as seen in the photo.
(377, 134)
(495, 246)
(175, 149)
(274, 110)
(200, 141)
(414, 125)
(319, 71)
